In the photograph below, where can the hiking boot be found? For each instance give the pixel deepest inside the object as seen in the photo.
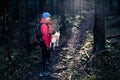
(41, 75)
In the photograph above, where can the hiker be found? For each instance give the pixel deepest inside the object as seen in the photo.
(46, 32)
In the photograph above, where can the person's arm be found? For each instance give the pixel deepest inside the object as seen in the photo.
(44, 30)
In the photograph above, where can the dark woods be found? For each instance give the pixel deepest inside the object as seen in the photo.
(16, 17)
(16, 14)
(103, 10)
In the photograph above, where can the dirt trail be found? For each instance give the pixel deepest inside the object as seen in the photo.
(65, 58)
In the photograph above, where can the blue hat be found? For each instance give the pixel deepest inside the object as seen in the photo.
(45, 15)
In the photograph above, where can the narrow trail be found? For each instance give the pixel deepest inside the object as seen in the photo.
(65, 59)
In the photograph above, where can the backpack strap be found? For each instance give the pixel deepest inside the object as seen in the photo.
(38, 34)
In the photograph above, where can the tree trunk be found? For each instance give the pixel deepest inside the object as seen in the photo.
(73, 8)
(23, 26)
(37, 7)
(62, 12)
(110, 5)
(99, 30)
(6, 29)
(52, 7)
(42, 5)
(57, 6)
(63, 27)
(118, 11)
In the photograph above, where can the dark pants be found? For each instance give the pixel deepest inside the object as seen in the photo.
(44, 57)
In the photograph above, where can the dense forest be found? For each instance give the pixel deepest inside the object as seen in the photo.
(89, 47)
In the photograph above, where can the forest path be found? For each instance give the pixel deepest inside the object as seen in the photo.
(66, 58)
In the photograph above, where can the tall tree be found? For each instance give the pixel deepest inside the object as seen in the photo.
(59, 7)
(118, 10)
(63, 12)
(42, 5)
(6, 28)
(110, 5)
(99, 30)
(52, 6)
(23, 25)
(72, 7)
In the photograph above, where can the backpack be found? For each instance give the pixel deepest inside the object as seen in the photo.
(38, 32)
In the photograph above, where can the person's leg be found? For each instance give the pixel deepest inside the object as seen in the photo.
(43, 58)
(48, 56)
(44, 71)
(47, 51)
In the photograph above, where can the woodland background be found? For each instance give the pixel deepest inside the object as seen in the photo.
(89, 42)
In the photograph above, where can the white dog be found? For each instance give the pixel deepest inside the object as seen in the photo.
(55, 40)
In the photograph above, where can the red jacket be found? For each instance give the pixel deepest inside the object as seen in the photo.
(46, 31)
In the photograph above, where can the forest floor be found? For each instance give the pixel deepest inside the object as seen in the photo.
(69, 59)
(73, 59)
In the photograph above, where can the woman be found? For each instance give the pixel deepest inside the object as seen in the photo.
(46, 31)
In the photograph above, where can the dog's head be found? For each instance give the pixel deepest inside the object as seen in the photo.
(57, 33)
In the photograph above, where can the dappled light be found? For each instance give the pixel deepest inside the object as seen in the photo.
(85, 38)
